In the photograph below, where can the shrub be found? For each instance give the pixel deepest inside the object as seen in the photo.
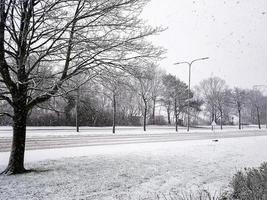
(250, 184)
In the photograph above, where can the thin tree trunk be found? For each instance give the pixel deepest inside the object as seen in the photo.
(58, 119)
(16, 159)
(169, 115)
(176, 116)
(114, 113)
(145, 113)
(258, 117)
(221, 121)
(212, 114)
(95, 121)
(153, 111)
(239, 119)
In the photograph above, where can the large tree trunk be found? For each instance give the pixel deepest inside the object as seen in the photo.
(16, 159)
(239, 119)
(114, 114)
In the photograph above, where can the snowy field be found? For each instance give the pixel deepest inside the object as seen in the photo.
(132, 171)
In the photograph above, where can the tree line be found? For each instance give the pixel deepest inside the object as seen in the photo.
(226, 105)
(150, 96)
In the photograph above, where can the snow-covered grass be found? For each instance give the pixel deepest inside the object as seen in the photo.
(132, 171)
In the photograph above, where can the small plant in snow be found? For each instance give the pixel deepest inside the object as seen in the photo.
(200, 195)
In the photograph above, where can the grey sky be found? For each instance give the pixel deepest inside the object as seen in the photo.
(233, 33)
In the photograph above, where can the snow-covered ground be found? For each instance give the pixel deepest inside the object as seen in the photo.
(132, 171)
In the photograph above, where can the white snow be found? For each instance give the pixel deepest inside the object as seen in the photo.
(132, 171)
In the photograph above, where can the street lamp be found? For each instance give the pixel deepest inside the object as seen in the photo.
(265, 86)
(189, 81)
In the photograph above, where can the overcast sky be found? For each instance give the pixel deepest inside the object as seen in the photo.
(233, 33)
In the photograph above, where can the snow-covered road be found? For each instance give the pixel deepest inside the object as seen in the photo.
(51, 141)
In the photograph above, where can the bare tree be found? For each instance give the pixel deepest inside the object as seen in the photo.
(222, 100)
(43, 44)
(256, 99)
(156, 88)
(167, 94)
(213, 91)
(143, 84)
(114, 81)
(239, 101)
(175, 92)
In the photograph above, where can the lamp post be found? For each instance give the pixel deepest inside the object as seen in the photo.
(265, 86)
(189, 82)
